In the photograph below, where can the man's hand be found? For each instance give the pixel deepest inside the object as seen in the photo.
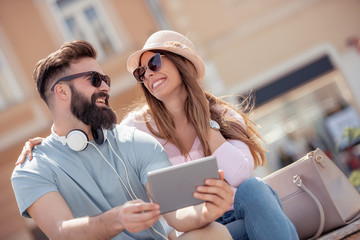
(58, 223)
(218, 197)
(138, 215)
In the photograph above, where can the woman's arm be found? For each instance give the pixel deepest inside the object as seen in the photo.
(235, 158)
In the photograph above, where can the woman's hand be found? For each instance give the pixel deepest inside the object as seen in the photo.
(218, 197)
(27, 149)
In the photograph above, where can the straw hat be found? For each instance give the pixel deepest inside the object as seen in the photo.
(172, 42)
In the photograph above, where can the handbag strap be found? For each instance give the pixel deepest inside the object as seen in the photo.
(297, 180)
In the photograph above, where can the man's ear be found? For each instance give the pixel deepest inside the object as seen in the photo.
(62, 91)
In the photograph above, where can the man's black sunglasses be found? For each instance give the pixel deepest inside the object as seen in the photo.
(154, 64)
(95, 78)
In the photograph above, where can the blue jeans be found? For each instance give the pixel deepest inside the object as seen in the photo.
(257, 214)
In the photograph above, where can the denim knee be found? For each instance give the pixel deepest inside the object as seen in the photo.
(250, 185)
(255, 189)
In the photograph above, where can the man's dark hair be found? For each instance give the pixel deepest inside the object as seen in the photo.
(53, 65)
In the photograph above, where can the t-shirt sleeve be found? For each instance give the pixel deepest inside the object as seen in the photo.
(30, 181)
(149, 153)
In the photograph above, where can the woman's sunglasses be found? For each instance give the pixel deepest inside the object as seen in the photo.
(154, 65)
(95, 78)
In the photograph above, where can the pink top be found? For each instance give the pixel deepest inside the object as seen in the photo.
(233, 156)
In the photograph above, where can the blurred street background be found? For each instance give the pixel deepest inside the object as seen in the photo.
(299, 58)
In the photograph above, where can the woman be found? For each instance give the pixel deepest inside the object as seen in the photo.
(191, 123)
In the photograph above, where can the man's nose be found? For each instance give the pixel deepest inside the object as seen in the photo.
(104, 87)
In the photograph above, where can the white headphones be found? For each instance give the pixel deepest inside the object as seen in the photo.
(77, 140)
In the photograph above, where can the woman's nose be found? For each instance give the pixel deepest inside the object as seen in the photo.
(148, 73)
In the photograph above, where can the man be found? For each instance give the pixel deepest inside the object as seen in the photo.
(88, 179)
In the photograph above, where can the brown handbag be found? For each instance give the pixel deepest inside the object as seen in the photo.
(316, 195)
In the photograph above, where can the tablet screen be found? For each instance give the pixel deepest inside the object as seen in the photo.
(173, 187)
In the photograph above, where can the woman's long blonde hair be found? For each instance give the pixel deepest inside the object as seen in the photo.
(200, 107)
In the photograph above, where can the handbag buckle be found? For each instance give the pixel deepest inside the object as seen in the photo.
(297, 180)
(320, 160)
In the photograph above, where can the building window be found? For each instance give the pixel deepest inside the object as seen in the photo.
(10, 91)
(87, 20)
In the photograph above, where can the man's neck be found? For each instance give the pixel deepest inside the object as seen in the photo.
(63, 128)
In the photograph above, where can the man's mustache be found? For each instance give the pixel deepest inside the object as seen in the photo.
(100, 95)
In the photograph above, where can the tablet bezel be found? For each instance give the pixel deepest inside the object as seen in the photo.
(172, 187)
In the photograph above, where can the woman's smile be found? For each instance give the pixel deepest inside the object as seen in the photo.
(157, 82)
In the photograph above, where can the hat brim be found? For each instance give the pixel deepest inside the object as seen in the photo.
(134, 59)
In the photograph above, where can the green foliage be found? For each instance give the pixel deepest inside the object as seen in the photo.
(354, 178)
(351, 133)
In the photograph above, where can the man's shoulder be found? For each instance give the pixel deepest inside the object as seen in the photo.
(44, 156)
(123, 133)
(130, 137)
(38, 165)
(126, 133)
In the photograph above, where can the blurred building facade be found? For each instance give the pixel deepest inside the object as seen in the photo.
(300, 58)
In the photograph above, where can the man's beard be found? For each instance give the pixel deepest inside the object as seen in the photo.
(90, 114)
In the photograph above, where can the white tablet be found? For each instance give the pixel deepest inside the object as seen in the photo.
(173, 187)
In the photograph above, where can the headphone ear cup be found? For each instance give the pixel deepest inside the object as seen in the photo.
(98, 134)
(77, 140)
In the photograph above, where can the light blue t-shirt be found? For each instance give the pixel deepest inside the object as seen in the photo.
(85, 180)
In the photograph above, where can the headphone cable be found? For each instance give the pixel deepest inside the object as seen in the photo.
(127, 177)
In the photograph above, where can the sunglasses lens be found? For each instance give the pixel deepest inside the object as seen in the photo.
(139, 74)
(97, 78)
(154, 63)
(107, 80)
